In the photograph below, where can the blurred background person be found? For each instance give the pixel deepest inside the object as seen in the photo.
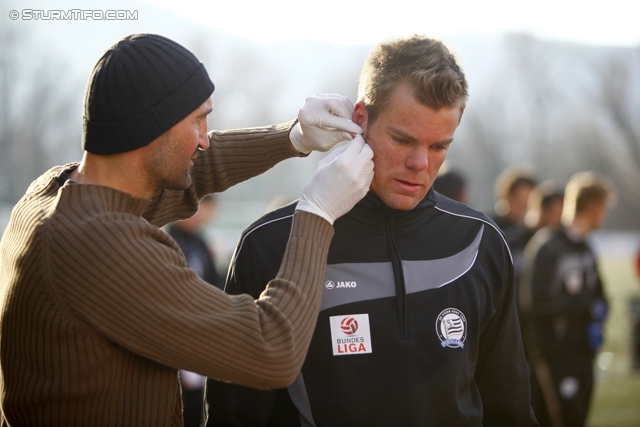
(544, 207)
(452, 184)
(569, 304)
(519, 197)
(512, 190)
(543, 217)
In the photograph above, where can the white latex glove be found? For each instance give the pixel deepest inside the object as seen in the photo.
(340, 181)
(323, 121)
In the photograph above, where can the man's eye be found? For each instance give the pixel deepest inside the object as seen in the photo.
(399, 140)
(439, 147)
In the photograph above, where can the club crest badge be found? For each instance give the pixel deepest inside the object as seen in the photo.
(451, 327)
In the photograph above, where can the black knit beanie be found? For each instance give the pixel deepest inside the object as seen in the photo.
(139, 89)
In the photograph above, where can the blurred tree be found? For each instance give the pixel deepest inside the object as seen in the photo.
(477, 151)
(617, 93)
(9, 46)
(249, 89)
(35, 112)
(531, 63)
(561, 108)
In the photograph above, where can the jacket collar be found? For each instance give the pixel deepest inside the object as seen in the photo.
(372, 210)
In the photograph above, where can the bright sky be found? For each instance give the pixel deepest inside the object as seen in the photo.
(611, 22)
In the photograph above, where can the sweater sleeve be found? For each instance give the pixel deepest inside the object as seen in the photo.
(256, 260)
(127, 280)
(233, 156)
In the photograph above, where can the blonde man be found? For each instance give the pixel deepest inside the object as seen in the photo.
(418, 323)
(568, 301)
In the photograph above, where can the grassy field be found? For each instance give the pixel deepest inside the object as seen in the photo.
(616, 401)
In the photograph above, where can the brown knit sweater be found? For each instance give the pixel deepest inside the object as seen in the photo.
(99, 308)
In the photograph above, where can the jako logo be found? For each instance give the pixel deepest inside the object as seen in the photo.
(349, 325)
(330, 284)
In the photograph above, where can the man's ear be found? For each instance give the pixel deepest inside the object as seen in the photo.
(360, 115)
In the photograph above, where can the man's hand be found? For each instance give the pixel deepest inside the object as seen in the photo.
(340, 181)
(323, 121)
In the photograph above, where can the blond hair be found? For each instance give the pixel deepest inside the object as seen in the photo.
(583, 190)
(425, 64)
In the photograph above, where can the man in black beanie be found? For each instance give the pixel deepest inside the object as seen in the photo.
(138, 90)
(99, 307)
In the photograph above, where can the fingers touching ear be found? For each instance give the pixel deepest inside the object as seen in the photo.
(360, 115)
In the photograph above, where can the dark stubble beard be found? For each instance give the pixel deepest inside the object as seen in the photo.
(162, 169)
(175, 184)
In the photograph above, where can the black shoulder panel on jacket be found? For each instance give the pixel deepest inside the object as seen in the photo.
(452, 207)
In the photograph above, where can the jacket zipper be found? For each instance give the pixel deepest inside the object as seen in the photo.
(398, 276)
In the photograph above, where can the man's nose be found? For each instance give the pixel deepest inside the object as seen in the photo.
(418, 160)
(203, 138)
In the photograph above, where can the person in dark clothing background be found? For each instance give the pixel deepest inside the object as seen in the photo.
(568, 301)
(544, 210)
(544, 213)
(512, 190)
(452, 184)
(544, 207)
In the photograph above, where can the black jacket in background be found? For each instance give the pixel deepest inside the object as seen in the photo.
(568, 297)
(198, 256)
